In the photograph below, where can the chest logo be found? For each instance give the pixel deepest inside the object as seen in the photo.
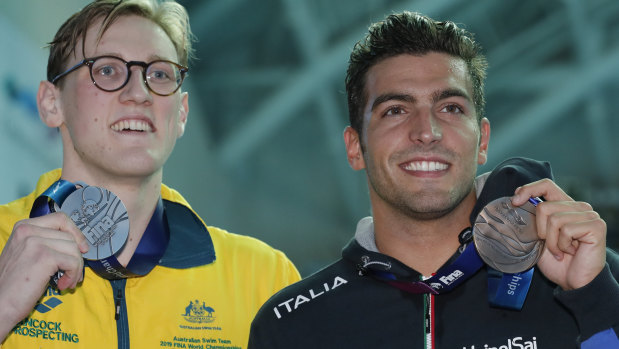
(50, 303)
(199, 313)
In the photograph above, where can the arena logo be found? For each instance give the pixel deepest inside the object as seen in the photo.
(293, 303)
(199, 313)
(50, 303)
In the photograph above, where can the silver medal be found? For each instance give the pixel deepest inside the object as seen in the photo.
(101, 217)
(506, 236)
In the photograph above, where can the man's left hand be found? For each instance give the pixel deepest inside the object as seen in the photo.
(575, 247)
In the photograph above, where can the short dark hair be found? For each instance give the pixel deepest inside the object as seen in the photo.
(415, 34)
(169, 15)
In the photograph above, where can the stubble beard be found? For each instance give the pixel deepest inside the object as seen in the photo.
(427, 204)
(424, 204)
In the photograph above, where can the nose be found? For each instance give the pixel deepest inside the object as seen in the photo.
(425, 128)
(136, 89)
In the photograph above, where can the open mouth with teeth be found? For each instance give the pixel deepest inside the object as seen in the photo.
(132, 125)
(425, 166)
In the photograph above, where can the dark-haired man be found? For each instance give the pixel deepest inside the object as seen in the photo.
(411, 277)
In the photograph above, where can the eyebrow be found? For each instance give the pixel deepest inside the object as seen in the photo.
(151, 58)
(450, 92)
(392, 97)
(436, 96)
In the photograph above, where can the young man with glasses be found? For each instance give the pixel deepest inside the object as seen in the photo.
(131, 264)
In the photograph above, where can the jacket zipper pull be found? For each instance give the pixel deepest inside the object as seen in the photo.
(119, 296)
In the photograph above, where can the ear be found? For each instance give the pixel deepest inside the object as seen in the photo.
(484, 140)
(48, 102)
(184, 111)
(353, 149)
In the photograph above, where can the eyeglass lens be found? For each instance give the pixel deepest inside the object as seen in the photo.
(111, 73)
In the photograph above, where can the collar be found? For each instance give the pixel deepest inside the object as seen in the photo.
(190, 242)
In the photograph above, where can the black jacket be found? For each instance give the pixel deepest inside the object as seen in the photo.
(342, 307)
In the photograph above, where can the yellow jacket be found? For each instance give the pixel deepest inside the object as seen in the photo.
(204, 292)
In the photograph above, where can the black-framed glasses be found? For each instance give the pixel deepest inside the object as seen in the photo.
(110, 73)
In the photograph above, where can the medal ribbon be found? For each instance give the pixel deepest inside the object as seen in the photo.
(44, 204)
(148, 252)
(508, 290)
(504, 290)
(150, 249)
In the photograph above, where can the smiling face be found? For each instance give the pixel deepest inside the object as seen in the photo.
(126, 133)
(421, 138)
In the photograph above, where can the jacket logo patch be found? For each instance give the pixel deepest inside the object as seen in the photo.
(199, 313)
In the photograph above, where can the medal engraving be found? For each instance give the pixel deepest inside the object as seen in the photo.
(506, 236)
(101, 217)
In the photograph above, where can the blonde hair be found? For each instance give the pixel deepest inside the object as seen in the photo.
(169, 15)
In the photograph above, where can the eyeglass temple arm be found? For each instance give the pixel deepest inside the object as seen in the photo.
(53, 81)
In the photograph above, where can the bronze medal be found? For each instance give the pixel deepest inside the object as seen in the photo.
(506, 236)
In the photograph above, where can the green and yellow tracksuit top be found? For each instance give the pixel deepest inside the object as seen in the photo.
(204, 292)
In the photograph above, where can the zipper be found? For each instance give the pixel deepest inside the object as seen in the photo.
(117, 303)
(428, 319)
(120, 313)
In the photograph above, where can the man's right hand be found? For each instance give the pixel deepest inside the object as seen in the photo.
(36, 250)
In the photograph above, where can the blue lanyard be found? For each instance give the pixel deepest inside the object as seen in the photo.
(504, 290)
(445, 280)
(148, 252)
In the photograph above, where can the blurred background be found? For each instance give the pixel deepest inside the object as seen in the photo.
(264, 155)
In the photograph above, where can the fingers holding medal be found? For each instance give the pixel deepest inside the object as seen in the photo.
(575, 248)
(36, 249)
(95, 216)
(566, 238)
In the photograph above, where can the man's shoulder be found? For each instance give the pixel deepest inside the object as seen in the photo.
(191, 236)
(328, 279)
(12, 212)
(314, 294)
(222, 239)
(229, 242)
(22, 206)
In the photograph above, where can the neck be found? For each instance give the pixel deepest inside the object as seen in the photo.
(139, 197)
(424, 245)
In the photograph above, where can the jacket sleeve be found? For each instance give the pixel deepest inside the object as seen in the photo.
(596, 307)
